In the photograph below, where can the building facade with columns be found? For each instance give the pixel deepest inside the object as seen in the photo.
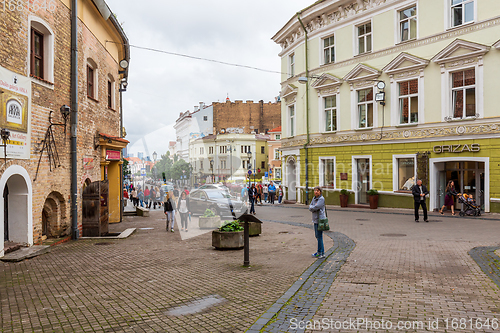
(378, 93)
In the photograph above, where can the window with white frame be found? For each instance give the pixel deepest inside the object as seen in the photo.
(201, 165)
(364, 34)
(210, 150)
(277, 154)
(462, 11)
(408, 24)
(245, 149)
(330, 107)
(243, 164)
(202, 150)
(205, 118)
(222, 149)
(291, 65)
(365, 108)
(277, 137)
(328, 172)
(92, 79)
(464, 93)
(291, 116)
(408, 101)
(329, 50)
(405, 173)
(222, 164)
(41, 59)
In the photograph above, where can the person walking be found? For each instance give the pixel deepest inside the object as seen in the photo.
(317, 207)
(259, 193)
(134, 198)
(419, 192)
(169, 209)
(280, 194)
(244, 194)
(449, 198)
(272, 192)
(140, 195)
(183, 207)
(252, 195)
(146, 197)
(265, 191)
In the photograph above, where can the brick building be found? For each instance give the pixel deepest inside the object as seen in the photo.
(35, 83)
(238, 117)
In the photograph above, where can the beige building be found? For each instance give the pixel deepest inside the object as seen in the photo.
(274, 154)
(381, 92)
(225, 157)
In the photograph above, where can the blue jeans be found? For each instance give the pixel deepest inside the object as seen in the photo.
(252, 207)
(319, 237)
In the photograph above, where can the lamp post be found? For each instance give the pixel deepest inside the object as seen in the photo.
(155, 155)
(212, 167)
(184, 177)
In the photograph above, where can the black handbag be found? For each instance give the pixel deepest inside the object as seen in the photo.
(323, 223)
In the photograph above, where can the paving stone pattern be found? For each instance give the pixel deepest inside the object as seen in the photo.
(489, 262)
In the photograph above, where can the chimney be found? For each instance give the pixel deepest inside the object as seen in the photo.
(202, 105)
(195, 108)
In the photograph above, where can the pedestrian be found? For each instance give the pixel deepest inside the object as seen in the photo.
(146, 197)
(259, 193)
(449, 198)
(265, 191)
(183, 207)
(133, 196)
(186, 190)
(419, 192)
(272, 192)
(176, 192)
(152, 197)
(169, 209)
(244, 194)
(280, 194)
(162, 193)
(140, 195)
(317, 207)
(252, 195)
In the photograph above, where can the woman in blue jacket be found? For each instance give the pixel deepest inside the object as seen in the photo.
(317, 207)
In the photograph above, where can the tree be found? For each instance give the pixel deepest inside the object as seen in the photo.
(164, 165)
(126, 169)
(178, 168)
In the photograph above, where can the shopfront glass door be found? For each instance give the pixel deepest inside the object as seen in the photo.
(363, 171)
(468, 177)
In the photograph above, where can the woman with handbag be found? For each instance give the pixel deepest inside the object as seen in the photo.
(318, 209)
(449, 198)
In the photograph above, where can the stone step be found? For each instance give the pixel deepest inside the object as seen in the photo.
(26, 253)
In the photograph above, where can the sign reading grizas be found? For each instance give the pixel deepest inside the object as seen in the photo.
(15, 99)
(460, 148)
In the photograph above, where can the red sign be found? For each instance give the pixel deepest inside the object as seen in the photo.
(88, 163)
(113, 155)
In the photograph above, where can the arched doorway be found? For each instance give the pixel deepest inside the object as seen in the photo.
(16, 216)
(291, 179)
(54, 222)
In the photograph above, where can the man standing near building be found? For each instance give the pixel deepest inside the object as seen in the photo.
(272, 192)
(252, 195)
(419, 192)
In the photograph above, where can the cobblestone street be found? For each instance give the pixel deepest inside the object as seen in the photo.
(383, 265)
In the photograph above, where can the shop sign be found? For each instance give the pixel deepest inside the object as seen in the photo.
(474, 147)
(343, 176)
(88, 163)
(113, 155)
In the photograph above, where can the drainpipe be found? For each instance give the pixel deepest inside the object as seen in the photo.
(74, 119)
(307, 112)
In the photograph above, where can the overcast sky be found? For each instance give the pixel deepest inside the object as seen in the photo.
(161, 86)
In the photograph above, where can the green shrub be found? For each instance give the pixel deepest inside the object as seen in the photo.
(231, 226)
(344, 192)
(372, 192)
(209, 213)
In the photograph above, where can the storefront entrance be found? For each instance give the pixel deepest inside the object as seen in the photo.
(469, 176)
(362, 179)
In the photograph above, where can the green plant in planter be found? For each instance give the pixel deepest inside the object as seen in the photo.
(209, 213)
(344, 192)
(372, 192)
(231, 226)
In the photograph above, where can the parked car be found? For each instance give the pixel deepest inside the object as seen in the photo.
(214, 187)
(219, 201)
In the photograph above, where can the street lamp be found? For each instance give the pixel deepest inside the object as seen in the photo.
(155, 155)
(231, 161)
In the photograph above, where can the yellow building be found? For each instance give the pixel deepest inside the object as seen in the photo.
(376, 93)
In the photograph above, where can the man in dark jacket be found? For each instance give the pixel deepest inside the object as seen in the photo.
(252, 195)
(419, 192)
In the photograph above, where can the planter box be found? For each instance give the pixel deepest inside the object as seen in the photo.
(255, 228)
(209, 222)
(223, 240)
(344, 198)
(373, 201)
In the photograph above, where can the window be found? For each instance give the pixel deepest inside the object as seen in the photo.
(210, 150)
(37, 51)
(201, 165)
(243, 163)
(277, 136)
(262, 150)
(291, 113)
(263, 165)
(202, 150)
(277, 154)
(408, 101)
(328, 50)
(245, 149)
(364, 38)
(222, 164)
(205, 118)
(464, 93)
(328, 174)
(291, 65)
(90, 82)
(405, 173)
(222, 149)
(330, 104)
(462, 11)
(408, 24)
(365, 108)
(110, 94)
